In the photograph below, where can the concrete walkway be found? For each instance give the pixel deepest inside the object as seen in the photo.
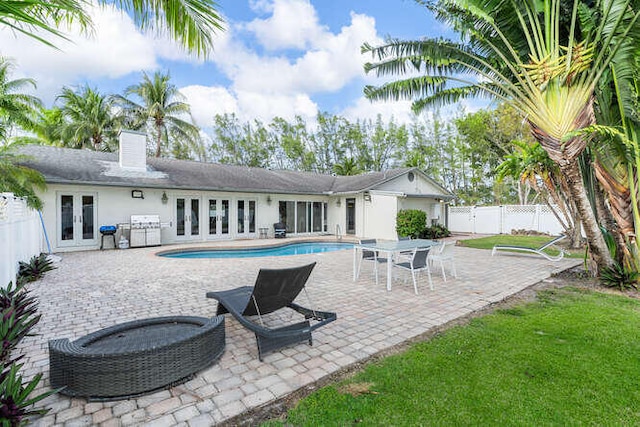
(93, 290)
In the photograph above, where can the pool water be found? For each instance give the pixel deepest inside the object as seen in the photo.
(285, 250)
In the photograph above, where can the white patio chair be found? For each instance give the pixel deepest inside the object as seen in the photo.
(417, 264)
(368, 255)
(444, 253)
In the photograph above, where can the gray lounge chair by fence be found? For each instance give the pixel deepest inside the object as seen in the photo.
(537, 251)
(273, 290)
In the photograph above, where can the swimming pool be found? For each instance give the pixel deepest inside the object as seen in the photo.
(284, 250)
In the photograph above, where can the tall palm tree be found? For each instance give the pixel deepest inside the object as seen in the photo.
(16, 107)
(531, 55)
(89, 119)
(159, 106)
(190, 22)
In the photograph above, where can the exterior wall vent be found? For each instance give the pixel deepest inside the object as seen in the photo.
(133, 150)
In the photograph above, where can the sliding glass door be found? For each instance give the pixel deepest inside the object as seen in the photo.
(303, 216)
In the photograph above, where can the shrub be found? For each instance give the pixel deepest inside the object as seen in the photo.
(15, 404)
(18, 316)
(35, 268)
(618, 276)
(411, 222)
(435, 232)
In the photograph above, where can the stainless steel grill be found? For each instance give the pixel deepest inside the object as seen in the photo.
(145, 231)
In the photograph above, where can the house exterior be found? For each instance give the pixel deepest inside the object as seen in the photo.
(200, 202)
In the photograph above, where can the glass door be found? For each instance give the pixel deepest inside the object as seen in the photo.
(218, 218)
(245, 217)
(351, 216)
(77, 218)
(187, 217)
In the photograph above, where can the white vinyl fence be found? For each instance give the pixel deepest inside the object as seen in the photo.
(503, 219)
(20, 235)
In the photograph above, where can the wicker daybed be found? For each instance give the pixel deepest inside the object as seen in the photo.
(136, 357)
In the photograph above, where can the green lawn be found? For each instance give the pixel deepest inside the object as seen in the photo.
(570, 358)
(527, 241)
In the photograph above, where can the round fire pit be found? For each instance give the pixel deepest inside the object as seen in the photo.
(136, 357)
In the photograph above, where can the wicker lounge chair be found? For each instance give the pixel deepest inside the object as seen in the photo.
(279, 230)
(537, 251)
(273, 290)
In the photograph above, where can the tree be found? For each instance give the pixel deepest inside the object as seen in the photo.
(530, 165)
(18, 179)
(346, 167)
(521, 57)
(240, 144)
(16, 107)
(88, 120)
(191, 22)
(160, 108)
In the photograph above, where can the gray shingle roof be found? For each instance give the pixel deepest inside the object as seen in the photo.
(66, 166)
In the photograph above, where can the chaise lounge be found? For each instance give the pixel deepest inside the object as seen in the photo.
(537, 251)
(273, 290)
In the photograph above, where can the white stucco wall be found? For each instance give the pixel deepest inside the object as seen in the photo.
(420, 185)
(434, 209)
(380, 216)
(115, 205)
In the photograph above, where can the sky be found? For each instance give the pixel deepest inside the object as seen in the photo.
(275, 58)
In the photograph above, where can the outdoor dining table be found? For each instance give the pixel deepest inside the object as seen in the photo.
(389, 247)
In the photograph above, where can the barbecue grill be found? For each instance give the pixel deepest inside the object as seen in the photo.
(108, 230)
(145, 231)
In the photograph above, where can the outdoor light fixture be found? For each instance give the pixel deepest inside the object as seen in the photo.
(269, 199)
(338, 203)
(164, 198)
(367, 196)
(137, 194)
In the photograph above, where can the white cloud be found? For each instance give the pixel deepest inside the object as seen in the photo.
(113, 49)
(362, 108)
(292, 24)
(206, 102)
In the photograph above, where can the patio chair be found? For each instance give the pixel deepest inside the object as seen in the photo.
(368, 255)
(279, 230)
(417, 264)
(444, 253)
(273, 290)
(537, 251)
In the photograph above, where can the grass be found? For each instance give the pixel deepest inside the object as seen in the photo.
(527, 241)
(570, 358)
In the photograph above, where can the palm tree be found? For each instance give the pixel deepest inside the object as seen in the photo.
(162, 108)
(527, 56)
(190, 22)
(16, 107)
(89, 120)
(530, 164)
(347, 167)
(18, 179)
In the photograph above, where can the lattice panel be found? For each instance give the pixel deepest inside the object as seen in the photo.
(528, 209)
(460, 209)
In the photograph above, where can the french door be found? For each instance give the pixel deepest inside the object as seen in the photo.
(245, 217)
(77, 218)
(219, 218)
(187, 211)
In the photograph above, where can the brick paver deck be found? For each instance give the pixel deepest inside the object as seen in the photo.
(93, 290)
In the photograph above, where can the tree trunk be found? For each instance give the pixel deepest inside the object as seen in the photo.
(158, 141)
(597, 245)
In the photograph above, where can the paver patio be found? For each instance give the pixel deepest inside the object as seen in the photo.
(92, 290)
